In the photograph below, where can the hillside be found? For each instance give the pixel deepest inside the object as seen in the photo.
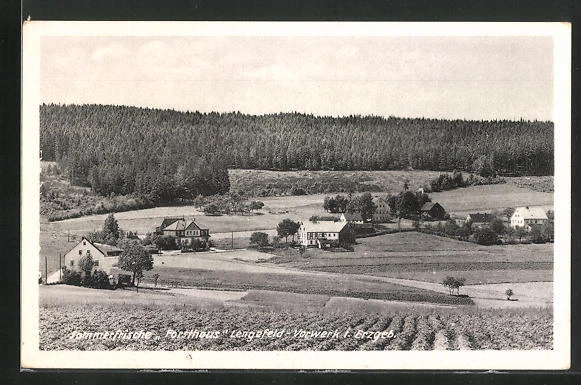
(118, 148)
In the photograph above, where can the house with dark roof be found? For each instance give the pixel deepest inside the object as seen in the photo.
(187, 233)
(166, 222)
(432, 210)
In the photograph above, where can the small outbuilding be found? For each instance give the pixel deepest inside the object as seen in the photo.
(432, 210)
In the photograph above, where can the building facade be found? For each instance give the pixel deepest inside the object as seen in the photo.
(104, 257)
(527, 217)
(320, 234)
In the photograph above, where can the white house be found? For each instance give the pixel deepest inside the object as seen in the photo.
(382, 210)
(320, 233)
(105, 257)
(185, 232)
(527, 216)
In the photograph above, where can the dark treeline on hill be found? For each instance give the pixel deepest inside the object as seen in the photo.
(127, 149)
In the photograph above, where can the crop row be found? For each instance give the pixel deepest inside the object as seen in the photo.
(107, 328)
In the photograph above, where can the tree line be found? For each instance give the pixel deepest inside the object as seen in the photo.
(122, 150)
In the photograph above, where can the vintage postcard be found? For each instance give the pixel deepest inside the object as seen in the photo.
(259, 195)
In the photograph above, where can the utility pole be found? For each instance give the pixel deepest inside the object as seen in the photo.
(232, 240)
(45, 270)
(60, 269)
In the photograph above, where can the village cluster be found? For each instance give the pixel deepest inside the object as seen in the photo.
(182, 235)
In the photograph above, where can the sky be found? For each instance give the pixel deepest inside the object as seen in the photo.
(433, 77)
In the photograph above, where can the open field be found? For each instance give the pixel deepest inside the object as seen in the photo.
(425, 257)
(461, 202)
(286, 281)
(418, 329)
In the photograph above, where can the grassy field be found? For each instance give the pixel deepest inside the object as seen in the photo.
(430, 258)
(297, 283)
(428, 329)
(258, 182)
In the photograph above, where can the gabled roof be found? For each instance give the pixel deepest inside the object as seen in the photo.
(168, 221)
(480, 218)
(531, 212)
(324, 226)
(175, 226)
(192, 225)
(103, 248)
(353, 216)
(379, 199)
(429, 205)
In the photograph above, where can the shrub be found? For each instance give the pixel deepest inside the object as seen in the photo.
(71, 277)
(486, 237)
(99, 280)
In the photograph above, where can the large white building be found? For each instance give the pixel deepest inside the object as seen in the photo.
(382, 211)
(320, 233)
(527, 216)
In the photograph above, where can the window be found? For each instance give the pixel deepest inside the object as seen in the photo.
(96, 263)
(80, 252)
(84, 243)
(72, 262)
(88, 253)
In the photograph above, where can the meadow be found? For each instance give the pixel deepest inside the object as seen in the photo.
(429, 258)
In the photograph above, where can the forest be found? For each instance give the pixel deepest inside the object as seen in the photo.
(166, 155)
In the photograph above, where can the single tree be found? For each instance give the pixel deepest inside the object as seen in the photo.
(86, 264)
(497, 225)
(486, 237)
(260, 239)
(135, 259)
(155, 279)
(509, 293)
(287, 228)
(521, 232)
(111, 232)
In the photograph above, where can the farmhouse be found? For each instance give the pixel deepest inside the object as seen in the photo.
(432, 210)
(105, 257)
(352, 218)
(166, 222)
(479, 220)
(527, 217)
(187, 233)
(322, 233)
(382, 210)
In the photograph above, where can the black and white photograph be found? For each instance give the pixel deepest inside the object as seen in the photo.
(243, 195)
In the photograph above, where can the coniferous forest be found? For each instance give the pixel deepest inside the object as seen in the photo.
(166, 155)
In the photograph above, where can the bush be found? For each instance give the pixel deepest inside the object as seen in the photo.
(486, 237)
(99, 280)
(71, 277)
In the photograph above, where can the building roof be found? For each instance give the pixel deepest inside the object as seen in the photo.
(531, 212)
(353, 216)
(429, 205)
(480, 218)
(192, 225)
(106, 248)
(324, 226)
(177, 225)
(379, 199)
(168, 221)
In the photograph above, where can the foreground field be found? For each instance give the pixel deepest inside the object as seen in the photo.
(186, 328)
